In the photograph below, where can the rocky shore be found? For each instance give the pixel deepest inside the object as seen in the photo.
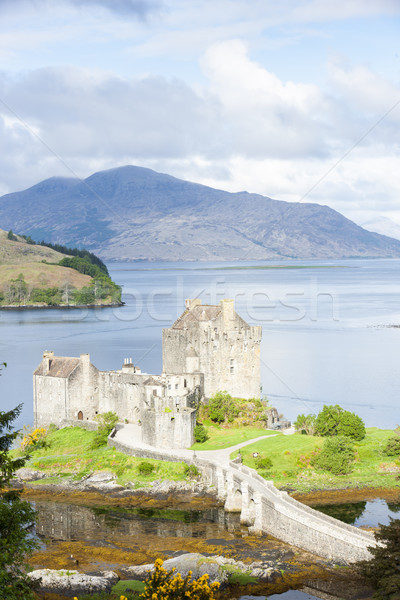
(103, 483)
(265, 566)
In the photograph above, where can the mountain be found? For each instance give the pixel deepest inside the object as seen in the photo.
(132, 213)
(384, 226)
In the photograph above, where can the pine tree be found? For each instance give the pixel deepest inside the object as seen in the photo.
(16, 516)
(383, 570)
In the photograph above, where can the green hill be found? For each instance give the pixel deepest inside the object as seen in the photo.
(36, 275)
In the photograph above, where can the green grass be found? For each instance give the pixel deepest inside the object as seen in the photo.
(69, 454)
(220, 438)
(128, 585)
(291, 469)
(238, 577)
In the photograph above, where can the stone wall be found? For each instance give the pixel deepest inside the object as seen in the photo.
(50, 401)
(169, 429)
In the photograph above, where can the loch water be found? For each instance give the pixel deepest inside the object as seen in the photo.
(330, 330)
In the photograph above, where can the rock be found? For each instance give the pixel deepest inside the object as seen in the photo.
(101, 477)
(71, 583)
(26, 474)
(197, 563)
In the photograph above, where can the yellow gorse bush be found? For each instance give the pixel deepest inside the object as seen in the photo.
(33, 438)
(166, 585)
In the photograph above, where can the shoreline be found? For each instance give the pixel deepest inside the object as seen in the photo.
(59, 306)
(180, 492)
(291, 567)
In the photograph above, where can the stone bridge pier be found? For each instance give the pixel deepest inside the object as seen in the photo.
(241, 498)
(267, 510)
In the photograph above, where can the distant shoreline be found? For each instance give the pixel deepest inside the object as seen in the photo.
(59, 306)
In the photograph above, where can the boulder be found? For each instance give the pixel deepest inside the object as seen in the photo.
(26, 474)
(72, 583)
(197, 563)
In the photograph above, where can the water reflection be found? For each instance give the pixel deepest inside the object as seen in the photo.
(67, 522)
(362, 514)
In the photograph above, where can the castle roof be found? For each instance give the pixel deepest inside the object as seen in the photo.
(59, 366)
(202, 312)
(152, 381)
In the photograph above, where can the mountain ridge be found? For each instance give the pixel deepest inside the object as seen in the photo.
(131, 213)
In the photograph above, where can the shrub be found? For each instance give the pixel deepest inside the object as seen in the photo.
(169, 585)
(392, 447)
(200, 434)
(336, 456)
(146, 467)
(222, 407)
(263, 463)
(34, 439)
(107, 422)
(191, 471)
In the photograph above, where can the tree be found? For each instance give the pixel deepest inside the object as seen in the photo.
(11, 236)
(351, 426)
(383, 570)
(15, 517)
(334, 420)
(336, 456)
(328, 420)
(305, 424)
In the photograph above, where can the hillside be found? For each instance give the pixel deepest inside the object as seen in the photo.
(30, 275)
(131, 213)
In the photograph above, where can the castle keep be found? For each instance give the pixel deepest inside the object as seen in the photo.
(208, 348)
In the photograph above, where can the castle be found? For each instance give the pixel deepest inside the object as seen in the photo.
(208, 348)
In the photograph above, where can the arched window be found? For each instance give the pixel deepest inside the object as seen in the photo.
(80, 416)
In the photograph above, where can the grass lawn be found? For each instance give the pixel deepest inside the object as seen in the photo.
(223, 437)
(290, 455)
(69, 454)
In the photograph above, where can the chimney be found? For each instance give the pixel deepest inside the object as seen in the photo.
(85, 362)
(192, 302)
(228, 310)
(47, 356)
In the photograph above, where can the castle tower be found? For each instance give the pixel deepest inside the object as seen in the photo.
(216, 341)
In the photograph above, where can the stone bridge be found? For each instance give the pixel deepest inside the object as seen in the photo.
(266, 510)
(262, 507)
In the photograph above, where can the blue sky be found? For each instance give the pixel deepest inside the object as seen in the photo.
(298, 100)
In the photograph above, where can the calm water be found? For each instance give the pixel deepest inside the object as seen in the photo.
(325, 331)
(371, 513)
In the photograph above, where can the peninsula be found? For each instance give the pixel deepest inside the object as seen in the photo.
(40, 275)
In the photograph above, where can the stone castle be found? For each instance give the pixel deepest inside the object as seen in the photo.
(208, 348)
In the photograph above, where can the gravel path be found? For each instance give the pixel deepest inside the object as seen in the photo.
(130, 435)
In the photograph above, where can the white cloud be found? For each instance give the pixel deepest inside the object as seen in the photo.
(242, 124)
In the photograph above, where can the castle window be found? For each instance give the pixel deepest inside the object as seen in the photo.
(184, 383)
(169, 386)
(176, 386)
(232, 365)
(80, 416)
(154, 392)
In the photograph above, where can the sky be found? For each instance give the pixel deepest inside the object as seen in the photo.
(298, 100)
